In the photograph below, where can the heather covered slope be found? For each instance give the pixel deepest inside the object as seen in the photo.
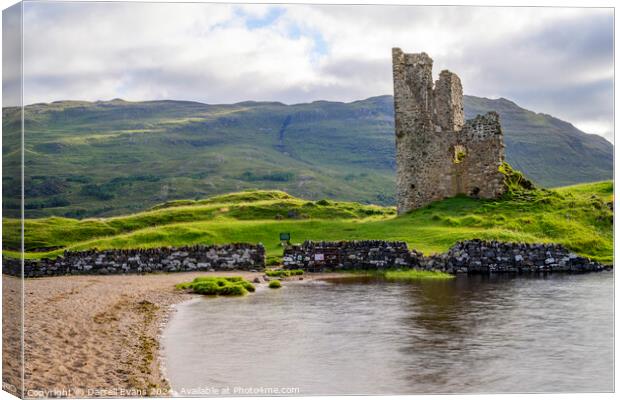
(577, 216)
(87, 159)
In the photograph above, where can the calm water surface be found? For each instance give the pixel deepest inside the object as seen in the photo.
(361, 336)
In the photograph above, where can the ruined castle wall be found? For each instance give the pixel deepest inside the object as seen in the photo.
(478, 173)
(448, 110)
(438, 153)
(413, 96)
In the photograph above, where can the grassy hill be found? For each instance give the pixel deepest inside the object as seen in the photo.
(576, 216)
(106, 158)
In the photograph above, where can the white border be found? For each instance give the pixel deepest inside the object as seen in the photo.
(497, 3)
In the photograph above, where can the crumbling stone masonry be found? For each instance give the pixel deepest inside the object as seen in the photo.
(438, 153)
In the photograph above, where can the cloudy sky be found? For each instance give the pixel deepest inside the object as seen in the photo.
(553, 60)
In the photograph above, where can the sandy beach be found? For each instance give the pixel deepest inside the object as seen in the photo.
(94, 335)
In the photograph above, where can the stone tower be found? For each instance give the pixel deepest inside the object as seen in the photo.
(438, 153)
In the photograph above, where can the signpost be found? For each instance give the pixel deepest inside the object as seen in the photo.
(285, 238)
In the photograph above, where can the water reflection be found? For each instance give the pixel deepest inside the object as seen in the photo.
(367, 336)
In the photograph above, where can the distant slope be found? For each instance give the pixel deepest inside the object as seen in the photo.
(116, 157)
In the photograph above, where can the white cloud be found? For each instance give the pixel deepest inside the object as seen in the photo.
(221, 53)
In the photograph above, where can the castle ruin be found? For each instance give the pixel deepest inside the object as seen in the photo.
(438, 153)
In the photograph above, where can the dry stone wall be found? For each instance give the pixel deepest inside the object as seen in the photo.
(472, 256)
(366, 254)
(239, 256)
(438, 153)
(479, 256)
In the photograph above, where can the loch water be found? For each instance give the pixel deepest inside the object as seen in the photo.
(471, 334)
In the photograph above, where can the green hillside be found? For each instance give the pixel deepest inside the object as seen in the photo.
(108, 158)
(577, 216)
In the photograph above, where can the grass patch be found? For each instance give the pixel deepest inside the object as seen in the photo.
(578, 217)
(275, 284)
(415, 274)
(402, 274)
(218, 286)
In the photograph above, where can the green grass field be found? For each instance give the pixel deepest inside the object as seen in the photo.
(578, 217)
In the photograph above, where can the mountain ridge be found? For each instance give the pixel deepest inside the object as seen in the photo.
(279, 103)
(112, 157)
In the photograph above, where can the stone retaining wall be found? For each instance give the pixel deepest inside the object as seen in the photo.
(478, 256)
(365, 254)
(472, 256)
(239, 256)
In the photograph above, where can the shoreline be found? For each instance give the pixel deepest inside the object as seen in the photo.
(172, 308)
(164, 320)
(99, 335)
